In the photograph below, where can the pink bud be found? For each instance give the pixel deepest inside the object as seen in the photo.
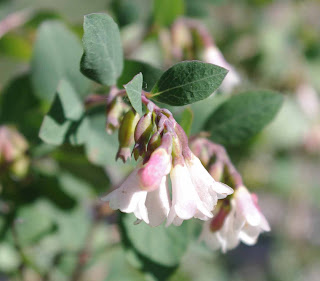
(218, 220)
(158, 166)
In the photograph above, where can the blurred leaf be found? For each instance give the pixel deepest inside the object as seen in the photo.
(120, 269)
(162, 245)
(243, 116)
(64, 122)
(133, 89)
(73, 228)
(75, 167)
(72, 105)
(196, 8)
(100, 147)
(9, 258)
(188, 82)
(131, 11)
(15, 46)
(186, 120)
(18, 97)
(56, 56)
(150, 74)
(32, 222)
(166, 11)
(102, 60)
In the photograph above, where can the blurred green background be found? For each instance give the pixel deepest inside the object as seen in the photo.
(52, 225)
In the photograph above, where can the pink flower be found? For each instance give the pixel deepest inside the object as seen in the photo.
(243, 222)
(207, 188)
(186, 202)
(249, 217)
(151, 207)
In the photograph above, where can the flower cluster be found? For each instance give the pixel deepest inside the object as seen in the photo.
(237, 217)
(163, 147)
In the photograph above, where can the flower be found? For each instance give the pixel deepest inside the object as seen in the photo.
(249, 216)
(213, 55)
(207, 188)
(186, 202)
(241, 220)
(220, 232)
(157, 167)
(151, 207)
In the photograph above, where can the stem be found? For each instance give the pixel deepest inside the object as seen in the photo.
(221, 154)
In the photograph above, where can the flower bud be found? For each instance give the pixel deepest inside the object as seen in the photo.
(126, 134)
(154, 142)
(158, 166)
(176, 147)
(181, 38)
(20, 167)
(144, 130)
(114, 114)
(218, 220)
(12, 144)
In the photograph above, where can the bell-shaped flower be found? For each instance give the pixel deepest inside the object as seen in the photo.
(220, 232)
(243, 222)
(207, 188)
(213, 55)
(149, 206)
(249, 217)
(186, 202)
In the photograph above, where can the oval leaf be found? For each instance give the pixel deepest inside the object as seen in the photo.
(162, 245)
(64, 122)
(56, 56)
(242, 116)
(188, 82)
(102, 60)
(133, 89)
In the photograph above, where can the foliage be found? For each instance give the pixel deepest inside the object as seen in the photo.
(52, 223)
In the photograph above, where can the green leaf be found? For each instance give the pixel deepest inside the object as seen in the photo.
(18, 97)
(188, 82)
(150, 74)
(243, 116)
(64, 122)
(32, 222)
(120, 269)
(162, 245)
(72, 105)
(16, 46)
(102, 60)
(166, 11)
(128, 12)
(186, 120)
(9, 258)
(133, 89)
(56, 56)
(100, 147)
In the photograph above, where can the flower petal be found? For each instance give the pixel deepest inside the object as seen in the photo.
(158, 203)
